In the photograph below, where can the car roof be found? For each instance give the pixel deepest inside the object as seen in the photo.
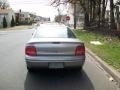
(51, 26)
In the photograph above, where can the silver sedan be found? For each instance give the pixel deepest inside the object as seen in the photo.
(54, 47)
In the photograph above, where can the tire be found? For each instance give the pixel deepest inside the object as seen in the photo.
(78, 69)
(30, 69)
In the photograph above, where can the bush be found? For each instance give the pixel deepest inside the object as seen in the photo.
(4, 22)
(12, 22)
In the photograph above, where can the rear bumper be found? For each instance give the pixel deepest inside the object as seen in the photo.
(68, 63)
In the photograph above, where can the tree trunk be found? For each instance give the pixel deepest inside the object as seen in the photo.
(86, 20)
(90, 8)
(103, 13)
(112, 18)
(94, 12)
(99, 13)
(118, 18)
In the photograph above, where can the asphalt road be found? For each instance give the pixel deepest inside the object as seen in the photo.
(14, 75)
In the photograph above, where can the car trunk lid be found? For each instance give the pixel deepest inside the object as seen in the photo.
(56, 46)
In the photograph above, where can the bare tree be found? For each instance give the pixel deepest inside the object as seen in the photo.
(94, 11)
(118, 2)
(4, 4)
(112, 18)
(104, 5)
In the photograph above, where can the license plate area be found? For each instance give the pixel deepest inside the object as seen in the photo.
(56, 65)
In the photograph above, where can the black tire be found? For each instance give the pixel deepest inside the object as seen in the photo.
(78, 69)
(30, 69)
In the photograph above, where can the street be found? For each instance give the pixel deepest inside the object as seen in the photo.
(14, 74)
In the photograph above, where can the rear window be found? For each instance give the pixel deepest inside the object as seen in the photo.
(54, 33)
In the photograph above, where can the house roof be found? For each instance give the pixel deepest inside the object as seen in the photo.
(5, 11)
(22, 12)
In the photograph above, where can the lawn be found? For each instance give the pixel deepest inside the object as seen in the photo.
(109, 51)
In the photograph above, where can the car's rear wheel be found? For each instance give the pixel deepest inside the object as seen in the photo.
(75, 69)
(78, 69)
(30, 69)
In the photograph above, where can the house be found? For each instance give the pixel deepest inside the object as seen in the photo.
(79, 15)
(8, 13)
(23, 17)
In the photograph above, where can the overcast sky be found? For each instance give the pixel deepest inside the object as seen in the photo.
(39, 7)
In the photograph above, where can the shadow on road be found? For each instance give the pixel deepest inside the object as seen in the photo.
(57, 80)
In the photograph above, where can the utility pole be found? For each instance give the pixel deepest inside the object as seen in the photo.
(74, 15)
(59, 15)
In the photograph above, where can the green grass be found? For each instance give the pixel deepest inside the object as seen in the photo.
(109, 51)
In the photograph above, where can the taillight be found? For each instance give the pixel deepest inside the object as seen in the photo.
(80, 50)
(31, 51)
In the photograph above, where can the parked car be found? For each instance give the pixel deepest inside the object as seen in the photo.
(54, 47)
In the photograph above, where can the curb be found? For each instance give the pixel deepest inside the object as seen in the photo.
(16, 28)
(115, 74)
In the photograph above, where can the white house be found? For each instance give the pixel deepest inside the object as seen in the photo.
(79, 15)
(24, 17)
(8, 13)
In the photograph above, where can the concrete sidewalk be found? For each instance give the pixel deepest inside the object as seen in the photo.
(21, 27)
(115, 74)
